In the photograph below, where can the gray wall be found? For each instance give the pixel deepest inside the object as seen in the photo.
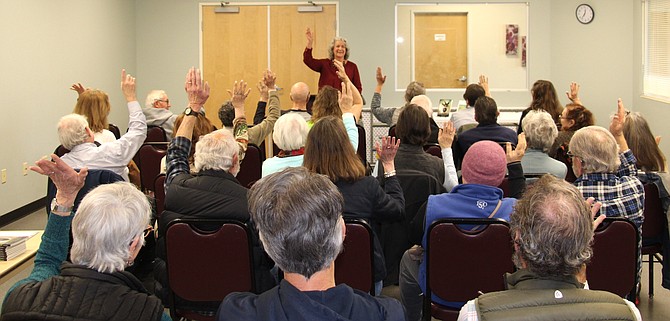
(52, 44)
(48, 45)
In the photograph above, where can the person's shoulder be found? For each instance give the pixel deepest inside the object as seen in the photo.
(388, 308)
(239, 306)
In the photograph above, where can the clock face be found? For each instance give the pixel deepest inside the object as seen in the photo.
(584, 13)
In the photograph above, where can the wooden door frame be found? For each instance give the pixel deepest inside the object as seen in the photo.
(268, 4)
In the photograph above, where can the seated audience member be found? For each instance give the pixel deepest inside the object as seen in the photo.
(327, 103)
(108, 232)
(652, 169)
(424, 102)
(75, 135)
(201, 128)
(212, 191)
(549, 284)
(573, 117)
(541, 132)
(413, 130)
(486, 114)
(299, 218)
(471, 94)
(94, 105)
(327, 153)
(259, 131)
(605, 170)
(157, 111)
(299, 97)
(389, 115)
(544, 98)
(290, 134)
(484, 168)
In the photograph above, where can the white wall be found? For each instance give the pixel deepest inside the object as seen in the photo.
(48, 45)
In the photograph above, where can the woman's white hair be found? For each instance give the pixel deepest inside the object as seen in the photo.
(290, 132)
(72, 130)
(424, 102)
(107, 220)
(215, 150)
(540, 130)
(597, 148)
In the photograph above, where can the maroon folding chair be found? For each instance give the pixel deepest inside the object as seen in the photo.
(354, 266)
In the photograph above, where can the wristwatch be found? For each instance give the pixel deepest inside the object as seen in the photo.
(55, 207)
(190, 112)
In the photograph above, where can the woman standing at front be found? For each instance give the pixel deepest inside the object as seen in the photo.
(338, 50)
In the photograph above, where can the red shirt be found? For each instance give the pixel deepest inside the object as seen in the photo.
(327, 71)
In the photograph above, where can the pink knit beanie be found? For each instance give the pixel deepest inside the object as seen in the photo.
(484, 163)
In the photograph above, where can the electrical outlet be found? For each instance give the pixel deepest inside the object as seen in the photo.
(4, 175)
(25, 168)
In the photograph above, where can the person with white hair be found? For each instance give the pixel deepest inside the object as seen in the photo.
(541, 133)
(290, 134)
(76, 136)
(157, 111)
(424, 102)
(212, 191)
(299, 218)
(108, 232)
(338, 51)
(549, 283)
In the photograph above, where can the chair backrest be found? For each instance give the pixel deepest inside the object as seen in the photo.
(392, 131)
(433, 149)
(205, 266)
(362, 145)
(354, 265)
(159, 194)
(562, 155)
(150, 165)
(155, 134)
(60, 151)
(94, 178)
(115, 130)
(504, 186)
(461, 263)
(613, 266)
(395, 237)
(251, 166)
(654, 221)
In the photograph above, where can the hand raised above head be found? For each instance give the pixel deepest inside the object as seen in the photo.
(310, 37)
(196, 89)
(484, 82)
(239, 93)
(269, 79)
(516, 154)
(346, 98)
(573, 94)
(616, 126)
(446, 135)
(67, 181)
(128, 86)
(387, 150)
(78, 87)
(381, 78)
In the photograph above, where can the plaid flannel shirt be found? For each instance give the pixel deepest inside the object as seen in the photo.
(621, 193)
(177, 158)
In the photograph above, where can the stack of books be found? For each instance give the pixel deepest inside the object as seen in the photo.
(12, 246)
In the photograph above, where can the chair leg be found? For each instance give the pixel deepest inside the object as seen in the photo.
(651, 275)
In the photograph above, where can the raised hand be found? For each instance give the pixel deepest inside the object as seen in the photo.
(78, 87)
(484, 82)
(616, 126)
(446, 135)
(239, 93)
(263, 90)
(346, 97)
(340, 71)
(310, 38)
(573, 94)
(387, 151)
(128, 86)
(68, 182)
(515, 155)
(269, 79)
(381, 78)
(197, 91)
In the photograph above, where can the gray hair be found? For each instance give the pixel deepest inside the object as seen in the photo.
(290, 132)
(413, 89)
(424, 102)
(540, 130)
(299, 219)
(107, 220)
(331, 55)
(153, 96)
(552, 228)
(216, 150)
(597, 148)
(72, 130)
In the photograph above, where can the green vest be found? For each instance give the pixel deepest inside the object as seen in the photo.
(533, 298)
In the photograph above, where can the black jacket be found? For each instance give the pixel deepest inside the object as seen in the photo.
(80, 293)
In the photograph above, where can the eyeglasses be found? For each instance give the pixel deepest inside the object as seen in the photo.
(148, 231)
(571, 155)
(563, 117)
(167, 101)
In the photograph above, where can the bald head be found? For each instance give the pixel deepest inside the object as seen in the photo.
(300, 95)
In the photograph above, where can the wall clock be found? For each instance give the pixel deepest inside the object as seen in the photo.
(584, 13)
